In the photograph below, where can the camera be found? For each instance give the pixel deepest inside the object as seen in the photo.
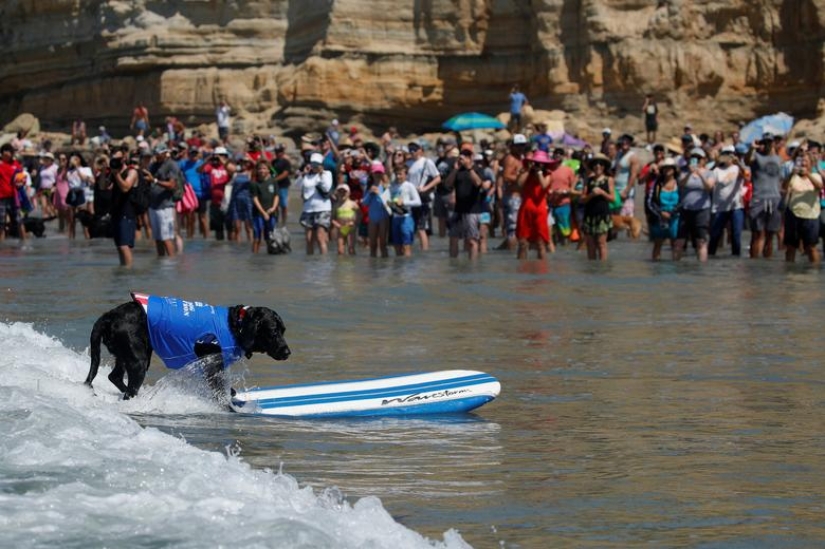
(116, 163)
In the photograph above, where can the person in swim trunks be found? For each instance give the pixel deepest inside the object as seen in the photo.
(508, 192)
(345, 219)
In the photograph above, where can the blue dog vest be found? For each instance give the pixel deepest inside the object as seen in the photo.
(175, 325)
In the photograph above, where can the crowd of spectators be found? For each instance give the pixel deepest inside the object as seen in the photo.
(170, 184)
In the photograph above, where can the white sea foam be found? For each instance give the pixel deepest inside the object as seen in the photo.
(76, 470)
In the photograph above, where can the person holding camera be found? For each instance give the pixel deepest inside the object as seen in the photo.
(316, 216)
(465, 222)
(696, 185)
(164, 179)
(801, 190)
(531, 225)
(215, 169)
(124, 177)
(727, 207)
(764, 213)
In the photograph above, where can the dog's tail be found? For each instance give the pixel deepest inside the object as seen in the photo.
(94, 344)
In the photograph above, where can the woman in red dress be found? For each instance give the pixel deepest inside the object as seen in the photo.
(531, 227)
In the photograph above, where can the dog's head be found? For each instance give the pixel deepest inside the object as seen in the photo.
(261, 330)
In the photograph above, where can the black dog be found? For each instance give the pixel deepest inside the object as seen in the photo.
(125, 330)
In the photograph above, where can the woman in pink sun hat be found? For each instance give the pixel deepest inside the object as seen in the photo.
(531, 227)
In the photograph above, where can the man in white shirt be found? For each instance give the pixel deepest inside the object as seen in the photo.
(222, 115)
(424, 175)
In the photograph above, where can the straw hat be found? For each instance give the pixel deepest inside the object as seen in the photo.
(674, 145)
(600, 158)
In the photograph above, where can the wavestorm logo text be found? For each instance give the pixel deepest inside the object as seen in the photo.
(418, 397)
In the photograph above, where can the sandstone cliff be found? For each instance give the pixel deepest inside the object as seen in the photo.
(289, 64)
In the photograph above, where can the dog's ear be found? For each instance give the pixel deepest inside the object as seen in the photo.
(246, 330)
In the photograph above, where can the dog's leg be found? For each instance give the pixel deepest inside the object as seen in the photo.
(208, 350)
(117, 375)
(136, 376)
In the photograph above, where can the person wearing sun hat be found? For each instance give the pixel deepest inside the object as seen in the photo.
(598, 194)
(531, 226)
(662, 205)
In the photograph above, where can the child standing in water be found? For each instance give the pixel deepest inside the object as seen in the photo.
(376, 202)
(345, 219)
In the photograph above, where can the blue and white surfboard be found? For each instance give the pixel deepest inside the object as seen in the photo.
(444, 392)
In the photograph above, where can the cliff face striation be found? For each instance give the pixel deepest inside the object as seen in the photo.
(291, 63)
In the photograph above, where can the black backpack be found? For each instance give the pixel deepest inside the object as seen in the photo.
(139, 194)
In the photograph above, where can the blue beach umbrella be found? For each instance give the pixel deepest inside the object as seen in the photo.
(777, 124)
(472, 121)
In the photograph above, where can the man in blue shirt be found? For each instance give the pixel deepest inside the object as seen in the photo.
(517, 102)
(542, 139)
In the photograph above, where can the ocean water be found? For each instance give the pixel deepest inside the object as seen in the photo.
(663, 405)
(78, 471)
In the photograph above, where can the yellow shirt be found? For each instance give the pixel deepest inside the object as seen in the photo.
(803, 197)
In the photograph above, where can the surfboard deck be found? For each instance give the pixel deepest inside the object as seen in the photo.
(441, 392)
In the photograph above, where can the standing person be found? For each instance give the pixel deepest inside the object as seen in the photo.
(240, 205)
(627, 174)
(727, 206)
(61, 192)
(124, 220)
(80, 177)
(100, 224)
(140, 120)
(190, 166)
(663, 208)
(283, 170)
(508, 193)
(376, 203)
(264, 191)
(425, 176)
(467, 181)
(222, 117)
(47, 175)
(215, 168)
(78, 132)
(763, 212)
(488, 194)
(8, 192)
(517, 102)
(562, 182)
(597, 196)
(696, 185)
(403, 198)
(334, 131)
(607, 141)
(144, 226)
(532, 228)
(316, 215)
(345, 219)
(442, 198)
(164, 179)
(802, 190)
(650, 110)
